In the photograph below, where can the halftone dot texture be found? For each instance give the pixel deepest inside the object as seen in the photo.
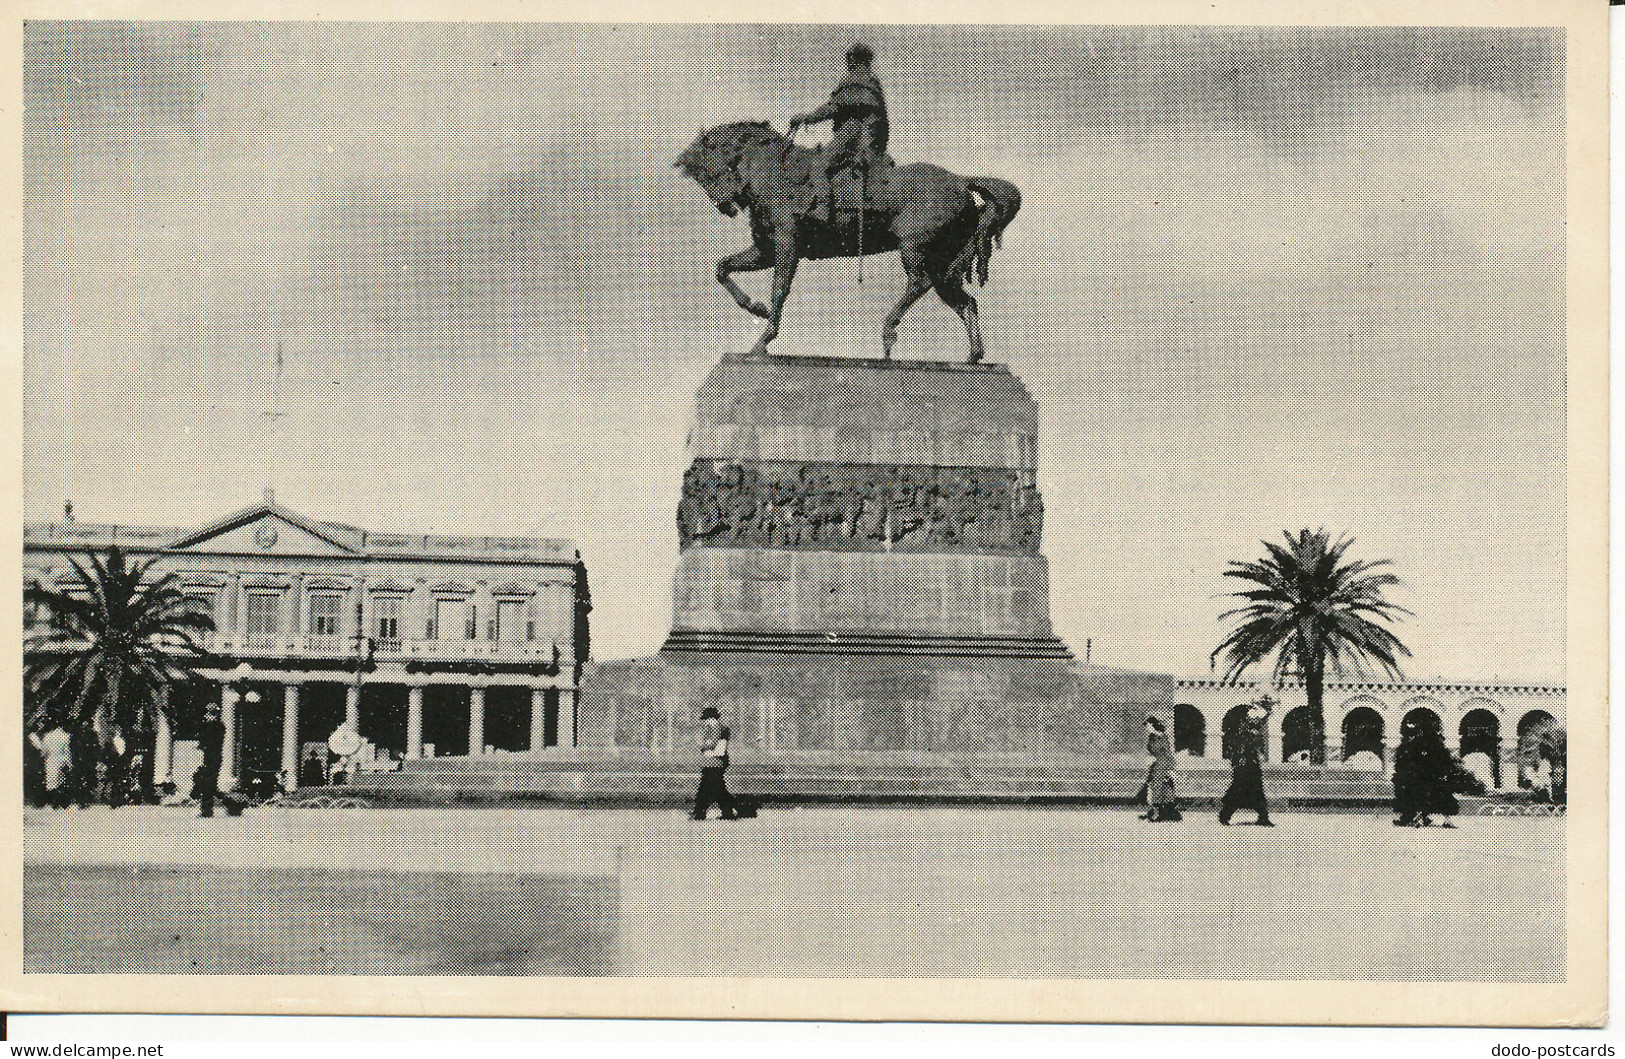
(445, 278)
(817, 891)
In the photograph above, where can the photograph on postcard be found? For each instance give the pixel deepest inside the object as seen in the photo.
(778, 501)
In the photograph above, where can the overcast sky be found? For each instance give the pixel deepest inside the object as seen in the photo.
(1262, 279)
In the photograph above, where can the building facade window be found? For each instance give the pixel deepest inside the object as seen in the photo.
(510, 620)
(264, 612)
(324, 614)
(450, 616)
(387, 618)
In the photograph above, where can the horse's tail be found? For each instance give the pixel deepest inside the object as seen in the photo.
(1001, 200)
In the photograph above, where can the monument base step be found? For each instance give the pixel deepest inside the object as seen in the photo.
(593, 775)
(892, 645)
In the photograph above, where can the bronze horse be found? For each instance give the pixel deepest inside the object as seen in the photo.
(924, 212)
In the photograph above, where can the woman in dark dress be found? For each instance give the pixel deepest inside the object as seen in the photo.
(1247, 768)
(1424, 775)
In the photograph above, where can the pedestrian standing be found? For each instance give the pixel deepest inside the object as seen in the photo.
(714, 766)
(1161, 799)
(313, 768)
(56, 747)
(1247, 767)
(116, 758)
(212, 741)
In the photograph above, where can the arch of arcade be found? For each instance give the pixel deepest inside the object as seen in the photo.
(1363, 720)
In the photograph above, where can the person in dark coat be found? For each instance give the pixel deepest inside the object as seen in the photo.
(1160, 795)
(313, 767)
(713, 786)
(1246, 789)
(1425, 775)
(211, 738)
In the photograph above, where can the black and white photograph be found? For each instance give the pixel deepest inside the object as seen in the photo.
(1089, 522)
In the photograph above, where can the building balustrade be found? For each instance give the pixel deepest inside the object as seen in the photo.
(345, 647)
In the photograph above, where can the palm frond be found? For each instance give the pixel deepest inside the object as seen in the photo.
(111, 643)
(1309, 607)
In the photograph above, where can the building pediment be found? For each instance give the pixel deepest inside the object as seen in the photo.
(452, 588)
(264, 529)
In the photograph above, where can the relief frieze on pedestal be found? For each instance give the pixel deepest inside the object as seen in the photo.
(859, 507)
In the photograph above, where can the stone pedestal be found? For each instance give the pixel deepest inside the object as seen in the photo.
(861, 571)
(782, 703)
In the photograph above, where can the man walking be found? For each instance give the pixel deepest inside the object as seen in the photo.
(1247, 769)
(714, 748)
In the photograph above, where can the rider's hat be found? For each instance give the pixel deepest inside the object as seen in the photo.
(860, 53)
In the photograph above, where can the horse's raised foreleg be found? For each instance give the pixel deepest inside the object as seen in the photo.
(918, 284)
(784, 273)
(752, 260)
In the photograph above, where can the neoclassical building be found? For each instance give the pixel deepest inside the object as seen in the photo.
(1363, 719)
(423, 644)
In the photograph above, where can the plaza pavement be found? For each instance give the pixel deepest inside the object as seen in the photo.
(805, 891)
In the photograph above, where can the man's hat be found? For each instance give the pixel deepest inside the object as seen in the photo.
(708, 712)
(860, 53)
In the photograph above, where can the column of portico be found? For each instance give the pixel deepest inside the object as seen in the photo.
(290, 735)
(414, 721)
(238, 629)
(163, 740)
(419, 611)
(1508, 751)
(296, 625)
(567, 717)
(1277, 734)
(476, 719)
(538, 718)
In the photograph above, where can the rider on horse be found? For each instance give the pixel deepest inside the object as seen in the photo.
(858, 109)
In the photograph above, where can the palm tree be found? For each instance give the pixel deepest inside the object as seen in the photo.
(113, 640)
(1547, 740)
(1314, 611)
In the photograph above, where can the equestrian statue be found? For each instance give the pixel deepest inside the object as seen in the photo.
(849, 200)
